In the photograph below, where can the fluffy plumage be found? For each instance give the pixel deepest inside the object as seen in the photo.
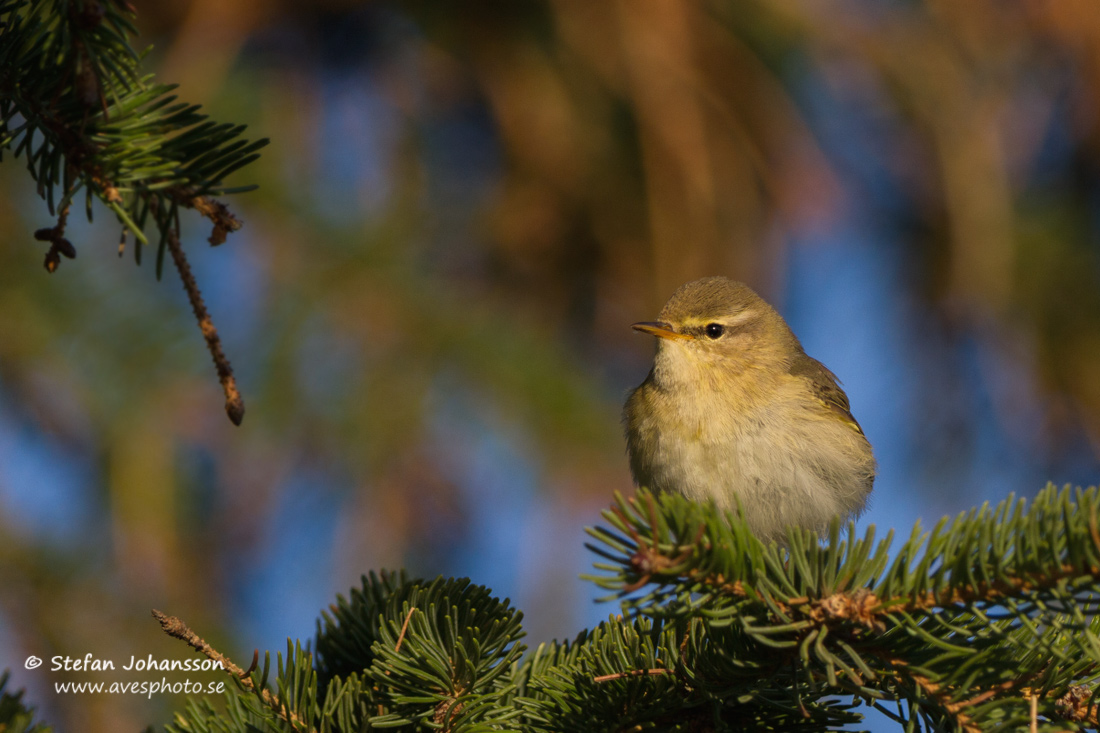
(735, 408)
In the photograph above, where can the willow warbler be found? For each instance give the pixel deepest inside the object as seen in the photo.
(733, 407)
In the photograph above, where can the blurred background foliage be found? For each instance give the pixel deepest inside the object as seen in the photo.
(463, 208)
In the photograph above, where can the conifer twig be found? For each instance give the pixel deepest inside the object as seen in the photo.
(404, 628)
(986, 587)
(74, 103)
(176, 628)
(234, 403)
(630, 673)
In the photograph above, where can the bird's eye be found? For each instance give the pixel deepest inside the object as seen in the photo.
(715, 330)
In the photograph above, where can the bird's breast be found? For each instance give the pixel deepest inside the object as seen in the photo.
(783, 460)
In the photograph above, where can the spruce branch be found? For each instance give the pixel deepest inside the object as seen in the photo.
(968, 623)
(446, 666)
(75, 105)
(176, 628)
(990, 621)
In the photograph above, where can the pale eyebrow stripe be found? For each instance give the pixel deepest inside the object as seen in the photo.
(741, 317)
(736, 320)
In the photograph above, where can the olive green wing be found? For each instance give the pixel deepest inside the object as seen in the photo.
(826, 386)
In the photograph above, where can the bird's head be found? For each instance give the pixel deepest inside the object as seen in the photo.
(715, 327)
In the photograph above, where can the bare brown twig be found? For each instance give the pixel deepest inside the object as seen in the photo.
(176, 628)
(631, 673)
(234, 403)
(404, 628)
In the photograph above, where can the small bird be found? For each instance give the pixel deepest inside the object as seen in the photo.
(733, 407)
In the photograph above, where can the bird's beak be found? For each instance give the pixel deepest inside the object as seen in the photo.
(661, 330)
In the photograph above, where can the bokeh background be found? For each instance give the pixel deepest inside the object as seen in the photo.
(463, 208)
